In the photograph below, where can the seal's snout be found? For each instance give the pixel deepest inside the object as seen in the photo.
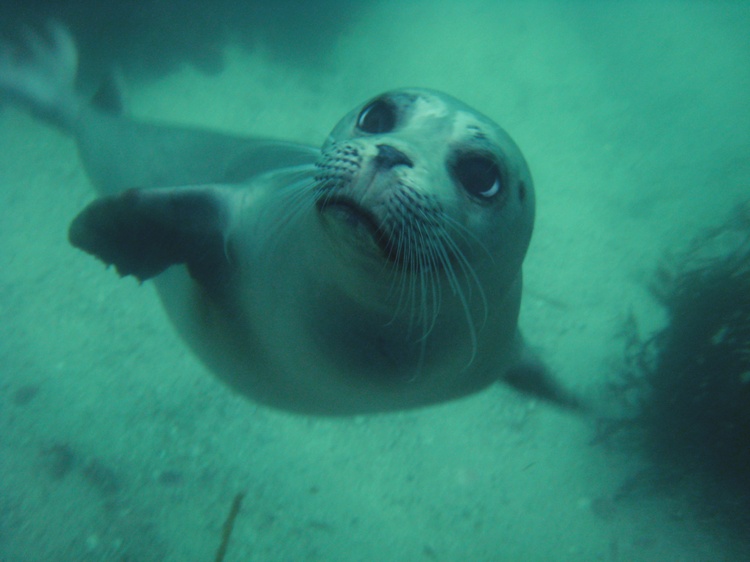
(389, 157)
(349, 212)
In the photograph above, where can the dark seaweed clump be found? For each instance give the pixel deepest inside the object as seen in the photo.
(688, 388)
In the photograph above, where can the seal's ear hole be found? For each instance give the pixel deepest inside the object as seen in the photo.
(522, 191)
(378, 116)
(479, 175)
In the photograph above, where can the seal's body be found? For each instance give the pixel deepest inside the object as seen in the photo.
(379, 273)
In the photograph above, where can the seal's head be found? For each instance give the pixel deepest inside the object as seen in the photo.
(430, 187)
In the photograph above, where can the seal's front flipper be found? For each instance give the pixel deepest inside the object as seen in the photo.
(143, 232)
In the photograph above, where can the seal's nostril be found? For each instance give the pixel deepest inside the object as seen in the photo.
(390, 157)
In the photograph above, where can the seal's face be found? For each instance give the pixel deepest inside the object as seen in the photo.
(425, 183)
(432, 193)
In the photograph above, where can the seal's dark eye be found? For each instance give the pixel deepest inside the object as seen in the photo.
(378, 116)
(479, 175)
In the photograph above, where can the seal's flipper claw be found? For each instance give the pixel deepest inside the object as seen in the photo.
(143, 232)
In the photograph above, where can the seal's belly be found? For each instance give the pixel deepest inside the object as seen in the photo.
(291, 361)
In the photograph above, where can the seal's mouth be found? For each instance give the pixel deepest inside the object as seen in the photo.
(347, 212)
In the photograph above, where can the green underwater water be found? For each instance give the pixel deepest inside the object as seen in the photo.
(115, 443)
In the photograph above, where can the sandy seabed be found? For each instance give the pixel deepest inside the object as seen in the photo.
(116, 444)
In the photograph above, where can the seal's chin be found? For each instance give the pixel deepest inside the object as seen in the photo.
(350, 222)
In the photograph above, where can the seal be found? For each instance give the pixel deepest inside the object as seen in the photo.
(379, 273)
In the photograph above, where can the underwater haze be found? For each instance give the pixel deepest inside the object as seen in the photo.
(116, 444)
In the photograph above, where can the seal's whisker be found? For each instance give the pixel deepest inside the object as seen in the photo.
(429, 268)
(447, 249)
(414, 278)
(431, 297)
(425, 274)
(398, 277)
(298, 199)
(470, 275)
(467, 236)
(428, 265)
(437, 291)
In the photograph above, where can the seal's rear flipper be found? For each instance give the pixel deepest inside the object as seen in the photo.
(143, 232)
(108, 97)
(533, 378)
(40, 74)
